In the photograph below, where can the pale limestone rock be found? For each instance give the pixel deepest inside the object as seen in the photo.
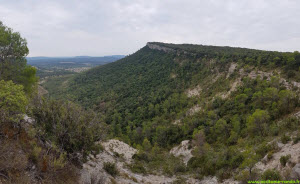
(182, 151)
(295, 174)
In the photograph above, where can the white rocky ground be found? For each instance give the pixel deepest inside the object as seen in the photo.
(115, 146)
(185, 154)
(214, 180)
(274, 163)
(161, 48)
(292, 168)
(231, 69)
(193, 92)
(93, 171)
(182, 151)
(193, 110)
(234, 86)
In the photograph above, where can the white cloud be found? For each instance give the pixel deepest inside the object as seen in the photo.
(98, 27)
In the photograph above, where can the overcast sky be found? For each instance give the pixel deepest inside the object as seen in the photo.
(106, 27)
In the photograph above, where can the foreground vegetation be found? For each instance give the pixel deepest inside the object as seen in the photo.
(49, 148)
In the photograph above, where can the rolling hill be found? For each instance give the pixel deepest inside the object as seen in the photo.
(219, 99)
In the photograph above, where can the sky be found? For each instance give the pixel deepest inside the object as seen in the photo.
(109, 27)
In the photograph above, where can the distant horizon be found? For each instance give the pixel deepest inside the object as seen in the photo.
(161, 42)
(73, 56)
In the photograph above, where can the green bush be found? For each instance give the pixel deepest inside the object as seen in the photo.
(141, 156)
(207, 165)
(167, 171)
(73, 129)
(35, 153)
(137, 167)
(110, 168)
(179, 168)
(13, 101)
(193, 163)
(284, 159)
(236, 160)
(271, 175)
(60, 162)
(263, 149)
(270, 155)
(244, 176)
(274, 130)
(285, 139)
(296, 139)
(223, 174)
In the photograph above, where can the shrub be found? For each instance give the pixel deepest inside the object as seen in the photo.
(285, 139)
(284, 159)
(35, 153)
(141, 156)
(116, 154)
(60, 162)
(207, 165)
(245, 176)
(97, 148)
(296, 139)
(110, 168)
(167, 171)
(274, 130)
(271, 175)
(73, 129)
(236, 160)
(194, 162)
(270, 155)
(263, 149)
(223, 174)
(179, 168)
(137, 167)
(13, 101)
(291, 74)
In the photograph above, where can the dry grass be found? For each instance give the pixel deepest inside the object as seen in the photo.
(13, 162)
(24, 159)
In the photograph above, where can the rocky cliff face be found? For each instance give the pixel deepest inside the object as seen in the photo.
(161, 48)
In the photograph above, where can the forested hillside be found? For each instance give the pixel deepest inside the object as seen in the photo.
(224, 99)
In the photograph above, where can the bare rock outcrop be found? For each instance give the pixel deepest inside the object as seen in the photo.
(295, 174)
(233, 88)
(183, 151)
(231, 69)
(161, 48)
(194, 91)
(115, 146)
(274, 163)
